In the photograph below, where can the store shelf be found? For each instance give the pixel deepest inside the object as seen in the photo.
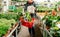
(22, 1)
(44, 31)
(12, 31)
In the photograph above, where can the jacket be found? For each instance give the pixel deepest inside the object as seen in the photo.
(27, 4)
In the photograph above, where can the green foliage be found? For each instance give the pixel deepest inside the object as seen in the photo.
(42, 8)
(19, 9)
(9, 16)
(50, 20)
(27, 15)
(55, 31)
(58, 18)
(5, 25)
(58, 3)
(12, 8)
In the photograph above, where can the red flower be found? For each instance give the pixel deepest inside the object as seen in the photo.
(53, 12)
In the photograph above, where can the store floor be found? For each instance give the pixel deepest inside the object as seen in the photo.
(24, 32)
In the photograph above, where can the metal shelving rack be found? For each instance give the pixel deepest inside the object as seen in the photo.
(21, 2)
(13, 31)
(44, 31)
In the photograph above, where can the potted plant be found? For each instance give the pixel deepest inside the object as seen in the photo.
(27, 20)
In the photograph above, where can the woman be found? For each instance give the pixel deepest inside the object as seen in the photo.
(30, 7)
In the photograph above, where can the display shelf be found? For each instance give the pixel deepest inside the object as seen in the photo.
(22, 1)
(44, 31)
(14, 29)
(53, 31)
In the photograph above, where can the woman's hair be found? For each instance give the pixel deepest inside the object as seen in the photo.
(30, 1)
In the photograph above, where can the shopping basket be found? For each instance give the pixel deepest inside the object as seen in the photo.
(26, 23)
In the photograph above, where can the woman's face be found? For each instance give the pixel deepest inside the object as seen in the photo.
(30, 1)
